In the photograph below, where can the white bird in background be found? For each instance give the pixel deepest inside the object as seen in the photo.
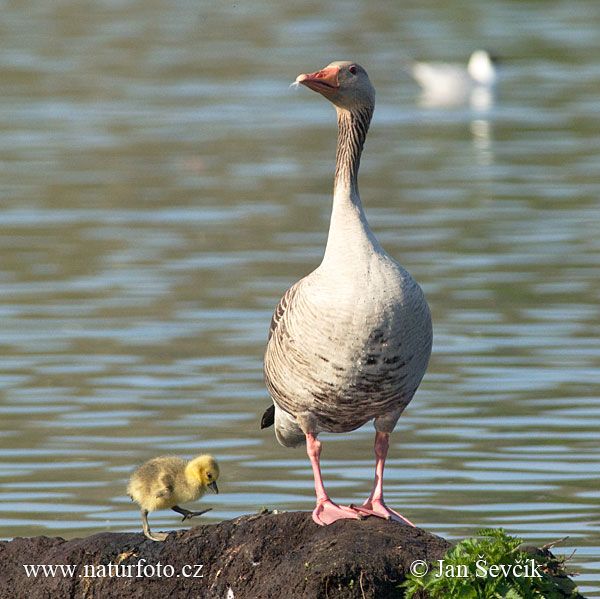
(445, 84)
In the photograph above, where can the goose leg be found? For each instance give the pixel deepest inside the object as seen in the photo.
(375, 505)
(157, 536)
(326, 511)
(187, 514)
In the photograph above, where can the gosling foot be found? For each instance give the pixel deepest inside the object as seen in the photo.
(156, 536)
(187, 514)
(153, 536)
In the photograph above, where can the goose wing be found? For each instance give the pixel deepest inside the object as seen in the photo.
(268, 418)
(166, 485)
(282, 306)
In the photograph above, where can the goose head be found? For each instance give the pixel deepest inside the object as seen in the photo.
(344, 83)
(203, 471)
(482, 68)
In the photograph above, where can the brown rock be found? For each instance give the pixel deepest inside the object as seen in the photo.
(261, 556)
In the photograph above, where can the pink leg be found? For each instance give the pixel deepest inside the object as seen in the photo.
(326, 511)
(375, 505)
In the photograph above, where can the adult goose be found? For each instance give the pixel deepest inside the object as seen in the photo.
(351, 341)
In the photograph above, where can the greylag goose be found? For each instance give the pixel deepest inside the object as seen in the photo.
(351, 341)
(166, 481)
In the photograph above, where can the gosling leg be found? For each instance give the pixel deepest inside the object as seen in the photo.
(159, 536)
(187, 514)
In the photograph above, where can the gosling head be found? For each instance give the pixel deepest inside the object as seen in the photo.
(204, 471)
(344, 83)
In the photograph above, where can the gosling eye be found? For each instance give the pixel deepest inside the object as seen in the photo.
(209, 476)
(353, 69)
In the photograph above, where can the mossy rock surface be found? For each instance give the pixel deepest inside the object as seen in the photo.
(258, 556)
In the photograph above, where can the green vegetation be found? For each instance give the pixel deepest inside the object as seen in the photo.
(493, 567)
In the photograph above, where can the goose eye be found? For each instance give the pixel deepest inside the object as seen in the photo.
(209, 475)
(353, 70)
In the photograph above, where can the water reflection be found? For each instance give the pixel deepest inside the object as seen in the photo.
(162, 187)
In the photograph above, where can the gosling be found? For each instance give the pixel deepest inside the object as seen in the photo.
(165, 481)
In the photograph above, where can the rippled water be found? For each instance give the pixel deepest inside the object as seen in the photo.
(162, 186)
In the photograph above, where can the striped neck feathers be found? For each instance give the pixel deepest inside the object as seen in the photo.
(352, 132)
(350, 237)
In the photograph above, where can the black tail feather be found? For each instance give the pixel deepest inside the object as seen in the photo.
(268, 418)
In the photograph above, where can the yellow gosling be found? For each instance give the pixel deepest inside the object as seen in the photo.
(166, 481)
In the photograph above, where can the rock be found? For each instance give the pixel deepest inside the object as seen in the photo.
(260, 556)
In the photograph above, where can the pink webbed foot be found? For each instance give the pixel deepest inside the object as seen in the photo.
(379, 509)
(327, 512)
(374, 505)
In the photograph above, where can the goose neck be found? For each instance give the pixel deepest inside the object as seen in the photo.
(352, 132)
(350, 238)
